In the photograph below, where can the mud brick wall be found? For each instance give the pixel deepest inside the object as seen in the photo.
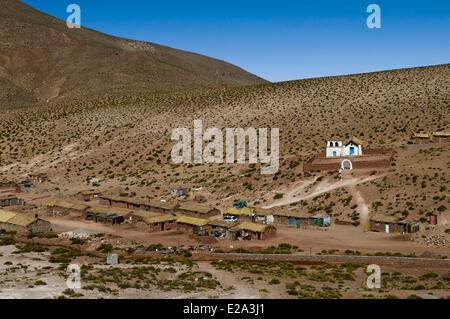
(379, 260)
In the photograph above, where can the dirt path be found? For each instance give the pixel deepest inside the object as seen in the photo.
(298, 191)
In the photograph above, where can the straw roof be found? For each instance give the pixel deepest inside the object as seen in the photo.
(160, 219)
(90, 192)
(192, 221)
(422, 135)
(138, 201)
(263, 212)
(443, 134)
(67, 205)
(379, 217)
(194, 207)
(292, 213)
(246, 211)
(111, 210)
(14, 218)
(253, 227)
(145, 214)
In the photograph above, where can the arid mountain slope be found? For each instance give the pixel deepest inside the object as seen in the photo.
(42, 60)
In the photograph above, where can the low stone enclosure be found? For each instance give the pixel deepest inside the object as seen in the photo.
(372, 158)
(323, 259)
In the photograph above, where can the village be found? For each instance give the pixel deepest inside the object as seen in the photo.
(195, 218)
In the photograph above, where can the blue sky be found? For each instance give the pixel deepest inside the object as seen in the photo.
(280, 40)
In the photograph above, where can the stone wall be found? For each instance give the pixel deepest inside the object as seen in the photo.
(379, 260)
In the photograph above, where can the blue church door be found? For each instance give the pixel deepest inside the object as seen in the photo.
(352, 150)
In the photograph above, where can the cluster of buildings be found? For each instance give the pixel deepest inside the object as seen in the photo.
(436, 137)
(186, 216)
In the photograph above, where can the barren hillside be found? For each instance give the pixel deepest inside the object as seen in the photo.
(125, 142)
(41, 60)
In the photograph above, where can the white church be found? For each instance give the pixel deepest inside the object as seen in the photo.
(353, 147)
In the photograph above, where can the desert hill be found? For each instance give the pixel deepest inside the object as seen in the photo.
(42, 60)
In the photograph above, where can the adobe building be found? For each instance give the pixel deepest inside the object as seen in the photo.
(194, 209)
(251, 231)
(383, 223)
(141, 215)
(263, 216)
(11, 200)
(89, 195)
(64, 208)
(441, 137)
(193, 225)
(422, 138)
(21, 223)
(293, 218)
(108, 215)
(352, 147)
(162, 222)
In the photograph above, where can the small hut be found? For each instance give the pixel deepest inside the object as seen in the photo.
(292, 218)
(14, 221)
(157, 223)
(383, 223)
(441, 137)
(422, 138)
(193, 225)
(249, 231)
(89, 195)
(194, 209)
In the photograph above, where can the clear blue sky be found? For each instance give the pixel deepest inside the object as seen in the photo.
(280, 40)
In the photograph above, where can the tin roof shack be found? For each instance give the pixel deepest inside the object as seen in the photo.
(221, 229)
(89, 195)
(321, 219)
(196, 210)
(193, 225)
(263, 216)
(441, 137)
(242, 214)
(11, 200)
(21, 223)
(422, 138)
(38, 178)
(292, 218)
(408, 227)
(161, 222)
(383, 223)
(63, 208)
(108, 215)
(249, 231)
